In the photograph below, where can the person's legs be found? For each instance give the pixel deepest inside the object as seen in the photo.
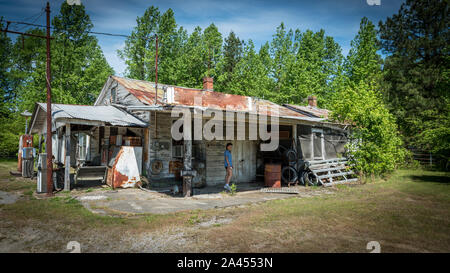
(229, 175)
(228, 178)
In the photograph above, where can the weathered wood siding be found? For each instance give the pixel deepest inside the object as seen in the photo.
(244, 161)
(161, 144)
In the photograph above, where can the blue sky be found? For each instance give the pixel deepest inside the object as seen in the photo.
(256, 20)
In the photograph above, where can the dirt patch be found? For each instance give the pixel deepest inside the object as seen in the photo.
(215, 221)
(8, 198)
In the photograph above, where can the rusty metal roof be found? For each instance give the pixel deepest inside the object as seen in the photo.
(144, 91)
(309, 110)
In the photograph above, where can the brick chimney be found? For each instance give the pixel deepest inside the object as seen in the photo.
(312, 101)
(208, 84)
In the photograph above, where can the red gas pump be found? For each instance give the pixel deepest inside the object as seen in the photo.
(24, 141)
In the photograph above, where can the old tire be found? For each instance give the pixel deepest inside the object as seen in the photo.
(290, 156)
(289, 174)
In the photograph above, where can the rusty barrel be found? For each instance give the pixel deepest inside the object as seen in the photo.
(272, 175)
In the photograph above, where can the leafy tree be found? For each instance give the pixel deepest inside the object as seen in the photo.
(139, 44)
(416, 79)
(79, 68)
(11, 124)
(281, 51)
(232, 53)
(250, 74)
(140, 48)
(212, 41)
(193, 60)
(78, 65)
(313, 69)
(376, 147)
(6, 90)
(363, 61)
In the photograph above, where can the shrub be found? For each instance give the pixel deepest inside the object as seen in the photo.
(375, 146)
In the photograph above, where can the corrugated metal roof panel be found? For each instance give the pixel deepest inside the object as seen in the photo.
(313, 111)
(107, 114)
(144, 91)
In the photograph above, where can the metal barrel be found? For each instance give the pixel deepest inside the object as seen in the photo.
(272, 175)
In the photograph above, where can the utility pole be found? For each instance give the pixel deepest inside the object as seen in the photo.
(48, 144)
(156, 70)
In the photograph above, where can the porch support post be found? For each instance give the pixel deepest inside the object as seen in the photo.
(146, 152)
(67, 163)
(40, 143)
(187, 172)
(294, 136)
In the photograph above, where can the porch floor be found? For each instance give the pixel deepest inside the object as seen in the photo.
(136, 201)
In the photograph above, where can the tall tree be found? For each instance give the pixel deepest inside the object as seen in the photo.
(79, 67)
(140, 48)
(139, 44)
(212, 42)
(281, 50)
(315, 63)
(232, 53)
(250, 75)
(416, 41)
(363, 61)
(11, 124)
(193, 60)
(6, 90)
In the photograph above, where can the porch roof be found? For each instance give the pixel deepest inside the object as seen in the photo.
(82, 114)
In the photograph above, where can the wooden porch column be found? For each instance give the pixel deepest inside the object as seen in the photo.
(187, 168)
(40, 144)
(295, 138)
(67, 165)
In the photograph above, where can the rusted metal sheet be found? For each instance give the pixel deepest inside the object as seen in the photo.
(145, 92)
(126, 170)
(212, 100)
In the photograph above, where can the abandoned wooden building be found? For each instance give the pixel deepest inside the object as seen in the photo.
(127, 134)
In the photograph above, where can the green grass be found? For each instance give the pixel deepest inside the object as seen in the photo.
(407, 211)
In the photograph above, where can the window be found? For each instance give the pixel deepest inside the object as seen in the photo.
(83, 146)
(113, 95)
(317, 144)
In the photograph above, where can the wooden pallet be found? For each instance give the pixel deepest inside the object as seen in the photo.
(332, 171)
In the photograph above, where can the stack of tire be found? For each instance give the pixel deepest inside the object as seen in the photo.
(289, 173)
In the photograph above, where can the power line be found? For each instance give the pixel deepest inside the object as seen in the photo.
(91, 32)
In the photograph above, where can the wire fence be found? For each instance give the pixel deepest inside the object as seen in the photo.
(425, 158)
